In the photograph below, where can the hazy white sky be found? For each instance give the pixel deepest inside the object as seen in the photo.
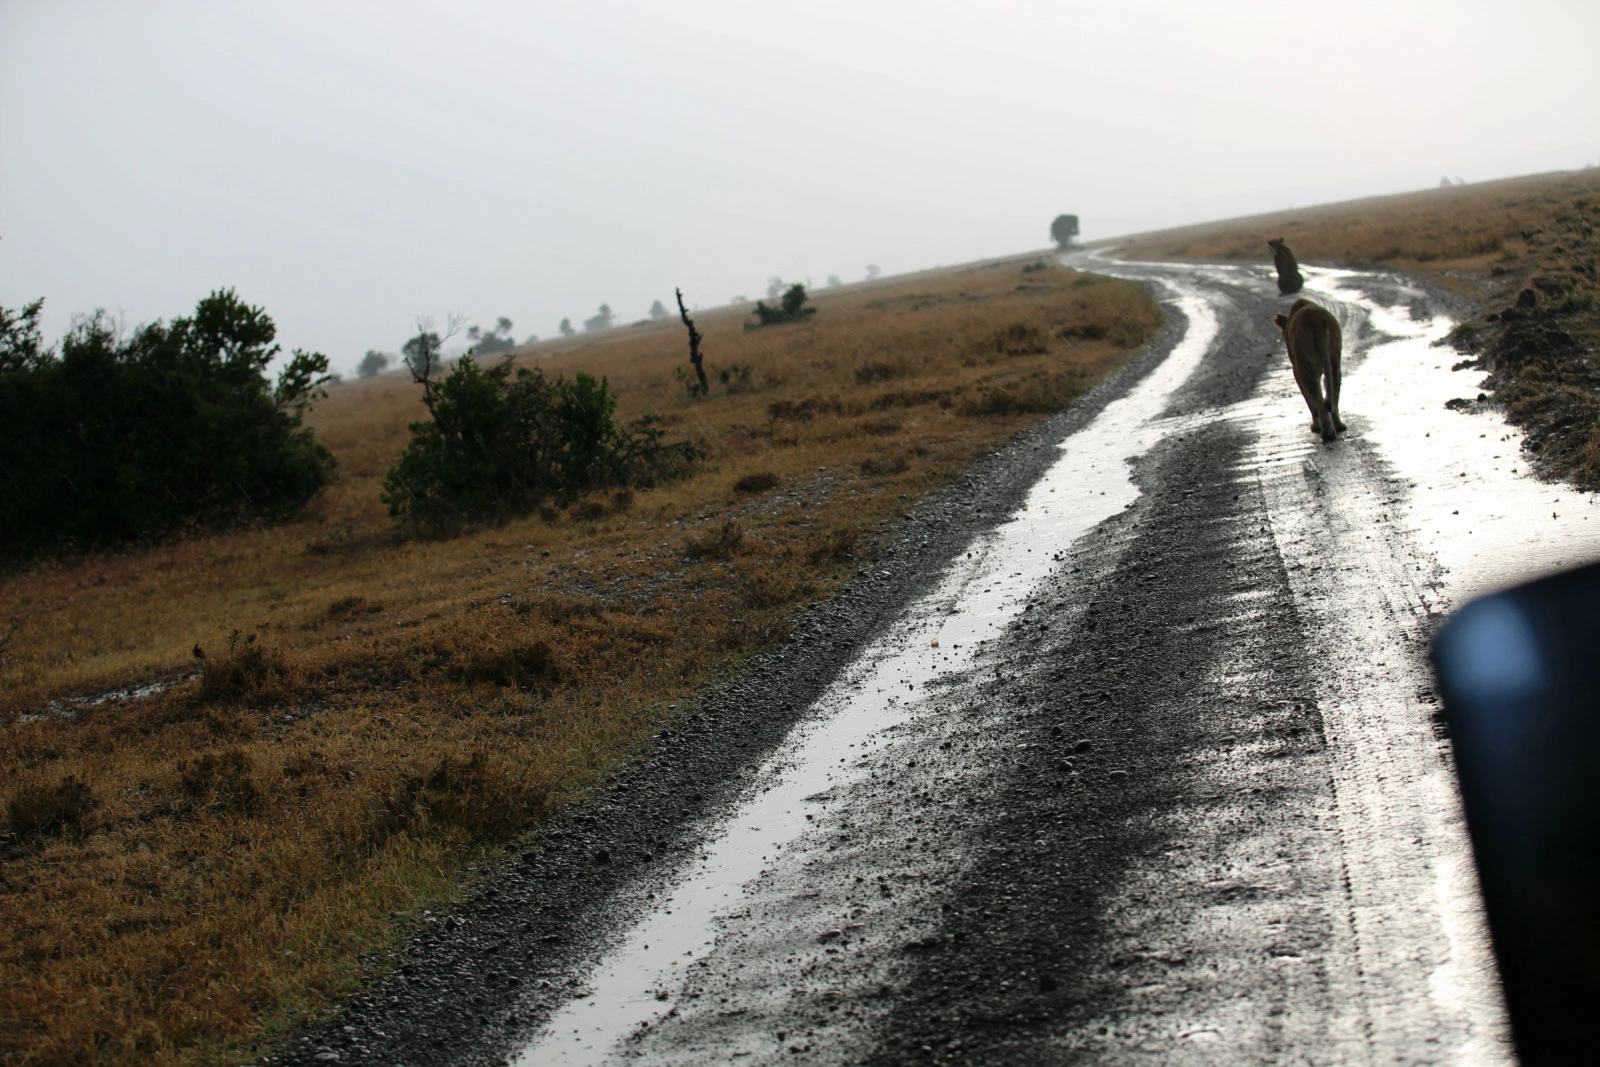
(353, 165)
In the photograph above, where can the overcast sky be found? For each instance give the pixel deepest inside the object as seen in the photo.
(353, 165)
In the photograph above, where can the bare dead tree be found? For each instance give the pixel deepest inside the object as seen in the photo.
(694, 347)
(423, 353)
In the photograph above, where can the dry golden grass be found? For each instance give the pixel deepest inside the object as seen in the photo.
(1457, 236)
(184, 873)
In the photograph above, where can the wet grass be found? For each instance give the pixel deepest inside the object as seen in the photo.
(354, 721)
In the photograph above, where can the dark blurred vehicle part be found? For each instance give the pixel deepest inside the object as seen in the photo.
(1520, 675)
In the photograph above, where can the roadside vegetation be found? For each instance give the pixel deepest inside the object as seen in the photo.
(1525, 249)
(341, 721)
(111, 439)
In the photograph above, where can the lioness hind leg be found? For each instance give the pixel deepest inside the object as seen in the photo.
(1310, 383)
(1333, 392)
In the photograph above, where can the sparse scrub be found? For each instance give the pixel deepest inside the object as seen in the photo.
(1038, 393)
(482, 797)
(721, 542)
(758, 482)
(220, 782)
(774, 587)
(910, 398)
(40, 810)
(352, 605)
(1020, 339)
(878, 465)
(737, 379)
(809, 408)
(247, 671)
(880, 371)
(839, 545)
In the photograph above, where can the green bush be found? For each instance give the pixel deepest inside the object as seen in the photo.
(503, 439)
(791, 309)
(173, 427)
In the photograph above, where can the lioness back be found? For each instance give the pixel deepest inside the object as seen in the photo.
(1315, 343)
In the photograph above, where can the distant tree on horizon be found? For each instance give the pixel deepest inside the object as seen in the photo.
(601, 320)
(373, 363)
(791, 309)
(566, 328)
(1063, 230)
(834, 282)
(775, 287)
(873, 270)
(658, 311)
(488, 342)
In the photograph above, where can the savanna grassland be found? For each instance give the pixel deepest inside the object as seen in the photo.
(1524, 249)
(339, 725)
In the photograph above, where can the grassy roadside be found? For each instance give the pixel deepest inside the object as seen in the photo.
(1525, 249)
(181, 872)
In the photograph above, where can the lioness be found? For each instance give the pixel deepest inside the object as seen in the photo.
(1289, 277)
(1314, 342)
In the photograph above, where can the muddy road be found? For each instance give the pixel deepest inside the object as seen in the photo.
(1127, 752)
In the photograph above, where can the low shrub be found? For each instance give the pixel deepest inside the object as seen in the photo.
(879, 371)
(893, 464)
(53, 810)
(758, 482)
(220, 782)
(911, 398)
(352, 605)
(503, 439)
(835, 546)
(792, 308)
(481, 796)
(516, 666)
(1038, 393)
(772, 587)
(247, 672)
(719, 543)
(737, 378)
(807, 409)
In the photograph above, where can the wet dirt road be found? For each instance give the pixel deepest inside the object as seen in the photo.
(1128, 753)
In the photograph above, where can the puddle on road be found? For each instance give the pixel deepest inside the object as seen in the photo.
(636, 981)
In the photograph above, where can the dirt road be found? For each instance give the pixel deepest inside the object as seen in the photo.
(1128, 752)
